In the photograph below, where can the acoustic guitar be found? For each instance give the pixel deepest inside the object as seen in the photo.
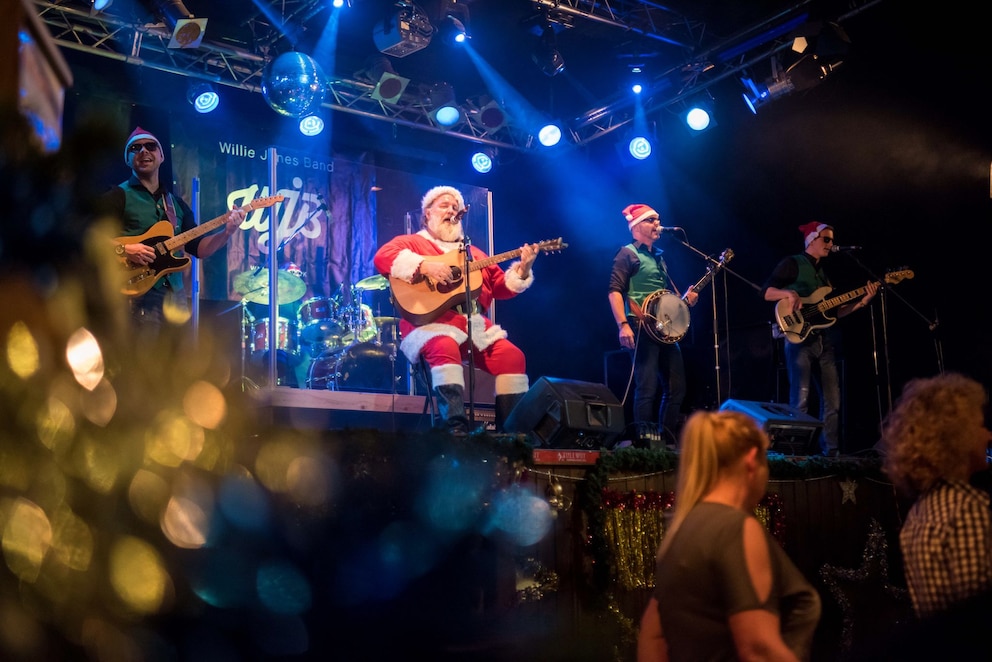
(423, 301)
(139, 278)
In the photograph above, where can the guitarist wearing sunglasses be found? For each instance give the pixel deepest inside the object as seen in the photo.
(141, 202)
(798, 284)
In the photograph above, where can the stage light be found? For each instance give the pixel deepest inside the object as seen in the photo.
(312, 125)
(203, 97)
(639, 147)
(483, 160)
(546, 55)
(390, 88)
(491, 117)
(441, 100)
(407, 31)
(97, 6)
(452, 31)
(698, 114)
(549, 135)
(757, 95)
(636, 88)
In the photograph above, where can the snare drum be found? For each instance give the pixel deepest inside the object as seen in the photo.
(363, 367)
(286, 339)
(318, 319)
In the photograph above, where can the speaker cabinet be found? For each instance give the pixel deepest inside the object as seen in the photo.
(562, 413)
(791, 431)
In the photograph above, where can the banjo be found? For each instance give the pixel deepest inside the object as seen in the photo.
(665, 315)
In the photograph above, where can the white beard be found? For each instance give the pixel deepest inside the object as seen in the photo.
(448, 232)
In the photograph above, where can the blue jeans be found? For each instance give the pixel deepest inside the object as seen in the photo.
(800, 359)
(658, 366)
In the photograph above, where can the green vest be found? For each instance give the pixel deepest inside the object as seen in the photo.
(651, 276)
(809, 279)
(141, 212)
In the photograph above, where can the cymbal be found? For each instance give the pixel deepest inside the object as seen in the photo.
(254, 285)
(376, 282)
(386, 320)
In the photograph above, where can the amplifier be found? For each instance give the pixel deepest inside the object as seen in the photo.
(791, 431)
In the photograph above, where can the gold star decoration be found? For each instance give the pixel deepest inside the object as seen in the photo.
(848, 487)
(866, 595)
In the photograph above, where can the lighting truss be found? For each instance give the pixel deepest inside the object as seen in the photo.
(146, 45)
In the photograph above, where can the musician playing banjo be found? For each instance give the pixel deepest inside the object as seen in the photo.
(794, 281)
(652, 317)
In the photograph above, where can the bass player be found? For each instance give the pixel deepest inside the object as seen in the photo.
(639, 271)
(795, 278)
(440, 339)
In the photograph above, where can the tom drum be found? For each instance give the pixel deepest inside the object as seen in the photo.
(319, 319)
(286, 340)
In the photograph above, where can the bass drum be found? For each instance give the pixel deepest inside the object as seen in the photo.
(666, 316)
(365, 367)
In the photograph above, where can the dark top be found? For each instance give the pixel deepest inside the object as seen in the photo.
(703, 580)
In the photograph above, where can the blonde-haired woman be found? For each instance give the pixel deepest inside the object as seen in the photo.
(724, 588)
(935, 440)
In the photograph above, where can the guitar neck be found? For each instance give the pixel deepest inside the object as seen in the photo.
(494, 259)
(184, 238)
(841, 299)
(711, 271)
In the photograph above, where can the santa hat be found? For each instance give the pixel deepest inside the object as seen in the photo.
(812, 230)
(635, 214)
(437, 192)
(139, 134)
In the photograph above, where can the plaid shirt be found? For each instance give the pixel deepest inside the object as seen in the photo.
(947, 546)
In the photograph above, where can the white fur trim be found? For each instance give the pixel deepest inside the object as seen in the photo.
(512, 383)
(405, 265)
(450, 373)
(416, 339)
(514, 282)
(482, 337)
(811, 237)
(436, 192)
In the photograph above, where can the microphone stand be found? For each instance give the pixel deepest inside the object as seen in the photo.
(466, 265)
(713, 265)
(931, 325)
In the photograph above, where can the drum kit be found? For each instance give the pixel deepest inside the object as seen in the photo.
(336, 342)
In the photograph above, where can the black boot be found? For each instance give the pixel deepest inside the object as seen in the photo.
(504, 405)
(451, 407)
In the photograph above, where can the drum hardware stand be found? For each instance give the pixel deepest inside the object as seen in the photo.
(715, 264)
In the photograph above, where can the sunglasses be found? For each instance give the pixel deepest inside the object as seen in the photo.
(134, 148)
(827, 240)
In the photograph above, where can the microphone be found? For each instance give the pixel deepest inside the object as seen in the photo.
(675, 229)
(836, 249)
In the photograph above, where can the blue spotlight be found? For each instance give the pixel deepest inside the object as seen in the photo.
(636, 88)
(482, 162)
(698, 119)
(549, 135)
(204, 97)
(338, 4)
(639, 147)
(311, 125)
(441, 98)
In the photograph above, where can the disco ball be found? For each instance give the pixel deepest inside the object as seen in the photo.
(293, 84)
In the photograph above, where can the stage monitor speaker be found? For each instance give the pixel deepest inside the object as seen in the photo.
(791, 431)
(562, 413)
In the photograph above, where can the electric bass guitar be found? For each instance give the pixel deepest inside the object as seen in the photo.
(665, 314)
(423, 301)
(814, 313)
(139, 278)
